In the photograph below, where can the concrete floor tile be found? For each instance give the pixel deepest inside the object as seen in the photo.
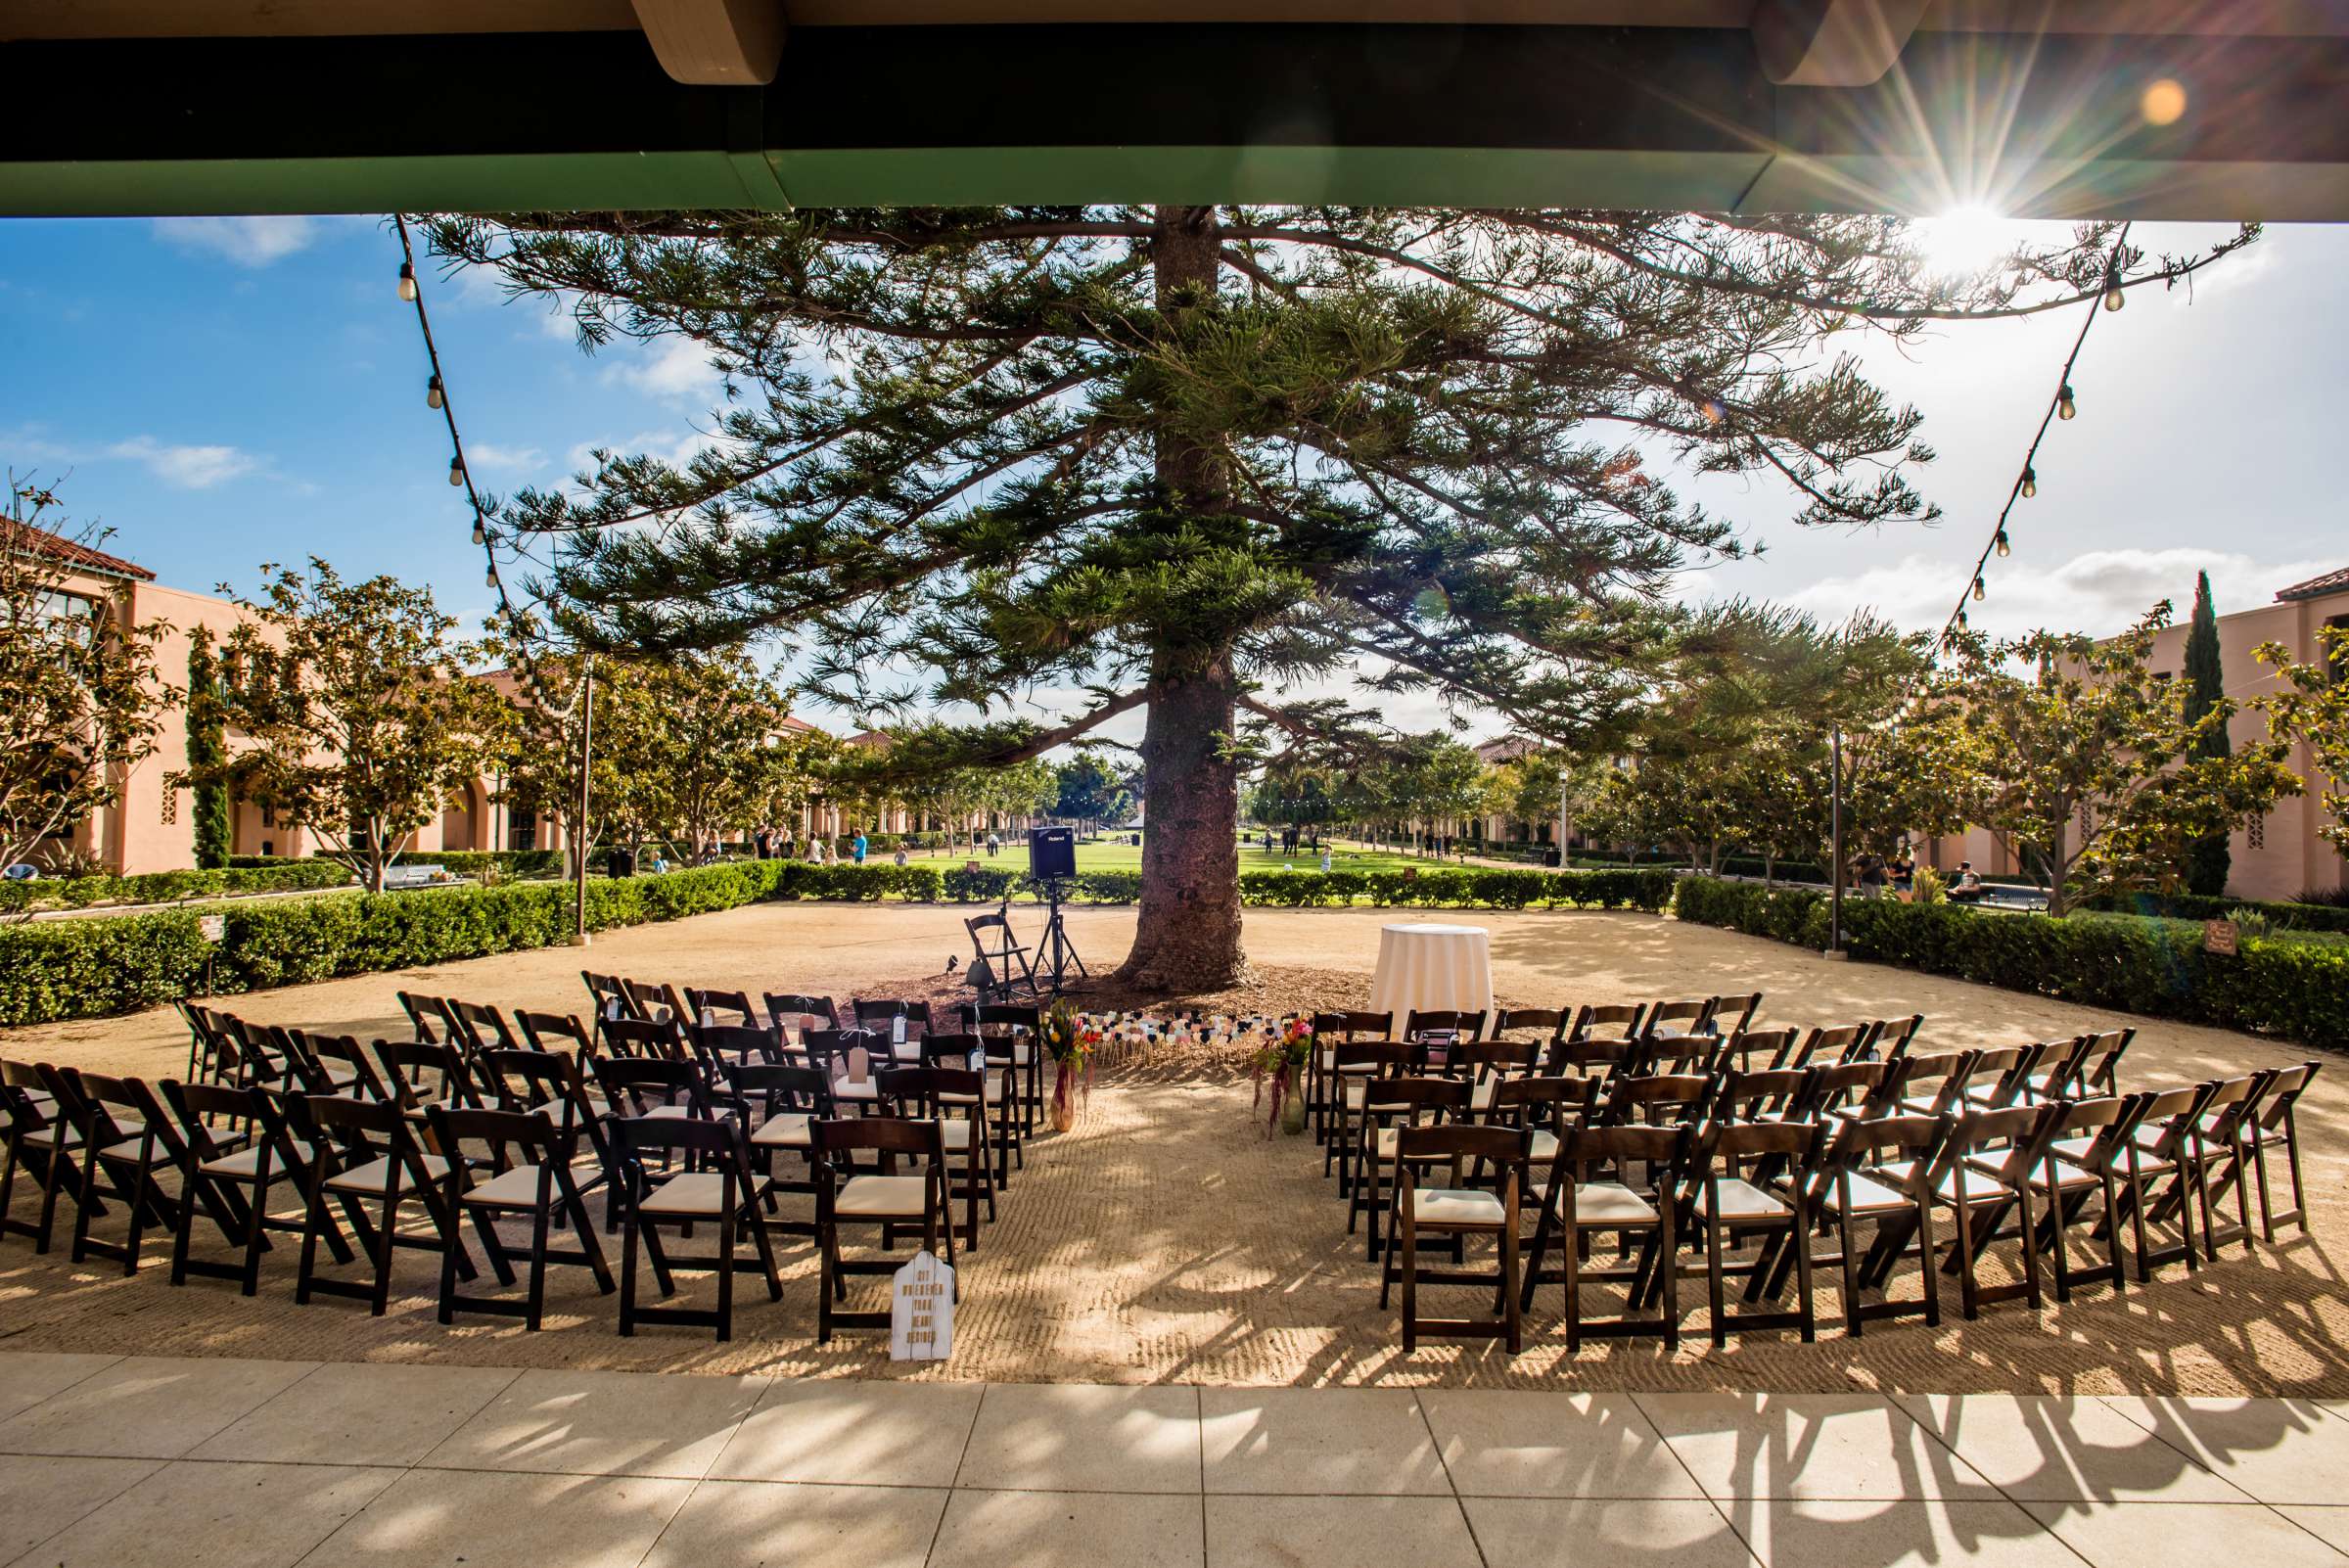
(2277, 1451)
(1070, 1530)
(852, 1433)
(197, 1515)
(2063, 1449)
(1499, 1443)
(602, 1423)
(2329, 1524)
(1853, 1446)
(147, 1406)
(1372, 1442)
(1846, 1534)
(39, 1496)
(1337, 1533)
(755, 1524)
(359, 1414)
(1605, 1533)
(2158, 1534)
(1042, 1437)
(27, 1378)
(434, 1519)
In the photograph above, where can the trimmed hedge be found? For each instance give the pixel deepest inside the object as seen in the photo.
(2129, 963)
(462, 863)
(1467, 888)
(2200, 907)
(174, 886)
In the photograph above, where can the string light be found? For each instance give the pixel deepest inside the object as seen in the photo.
(456, 470)
(2062, 406)
(407, 283)
(432, 394)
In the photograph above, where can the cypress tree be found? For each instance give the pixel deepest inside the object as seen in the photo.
(208, 747)
(2205, 686)
(1180, 460)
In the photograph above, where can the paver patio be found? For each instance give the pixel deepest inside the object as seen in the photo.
(146, 1460)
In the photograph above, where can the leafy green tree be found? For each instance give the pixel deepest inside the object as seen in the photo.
(1090, 794)
(207, 748)
(79, 702)
(2205, 688)
(1179, 456)
(1295, 797)
(362, 717)
(2314, 707)
(2086, 768)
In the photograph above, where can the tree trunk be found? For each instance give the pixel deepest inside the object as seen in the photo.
(1188, 936)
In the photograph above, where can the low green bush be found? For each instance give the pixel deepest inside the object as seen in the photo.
(173, 887)
(2196, 906)
(2131, 963)
(1465, 888)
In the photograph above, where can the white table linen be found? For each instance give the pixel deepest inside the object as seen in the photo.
(1426, 966)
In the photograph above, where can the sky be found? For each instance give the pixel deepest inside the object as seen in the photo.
(225, 392)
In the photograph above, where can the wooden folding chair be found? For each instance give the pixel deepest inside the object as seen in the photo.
(1353, 1065)
(2159, 1155)
(40, 1144)
(717, 1046)
(1388, 1106)
(481, 1028)
(1875, 1172)
(791, 1012)
(1000, 1109)
(1459, 1024)
(1011, 1036)
(719, 1188)
(556, 1032)
(120, 1129)
(1983, 1174)
(2277, 1127)
(1452, 1211)
(951, 1096)
(236, 1146)
(1720, 1197)
(1739, 1046)
(783, 1104)
(555, 1084)
(1330, 1031)
(1485, 1064)
(429, 1016)
(723, 1007)
(2082, 1156)
(646, 1038)
(1734, 1015)
(364, 1154)
(896, 1203)
(1585, 1196)
(527, 1171)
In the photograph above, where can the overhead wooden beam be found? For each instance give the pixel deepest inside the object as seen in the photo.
(715, 43)
(1832, 43)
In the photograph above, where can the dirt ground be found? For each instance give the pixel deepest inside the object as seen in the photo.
(1166, 1239)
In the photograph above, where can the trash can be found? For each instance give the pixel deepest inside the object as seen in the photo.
(1550, 858)
(619, 863)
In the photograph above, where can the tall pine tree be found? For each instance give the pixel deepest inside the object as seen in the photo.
(2205, 684)
(1181, 459)
(207, 748)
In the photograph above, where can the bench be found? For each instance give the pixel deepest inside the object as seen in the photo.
(413, 876)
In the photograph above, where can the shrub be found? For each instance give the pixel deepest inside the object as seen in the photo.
(56, 969)
(2195, 906)
(174, 886)
(2138, 964)
(1449, 888)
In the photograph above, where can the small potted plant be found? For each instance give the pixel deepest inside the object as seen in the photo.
(1070, 1043)
(1283, 1060)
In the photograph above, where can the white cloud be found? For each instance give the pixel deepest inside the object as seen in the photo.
(249, 241)
(672, 367)
(189, 468)
(488, 455)
(2100, 592)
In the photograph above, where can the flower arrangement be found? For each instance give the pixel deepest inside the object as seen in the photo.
(1069, 1041)
(1284, 1059)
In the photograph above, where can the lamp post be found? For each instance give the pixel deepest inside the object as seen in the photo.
(1835, 839)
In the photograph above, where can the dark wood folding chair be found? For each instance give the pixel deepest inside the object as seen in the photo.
(1724, 1193)
(1891, 1039)
(1000, 1110)
(417, 1074)
(832, 1050)
(608, 999)
(1388, 1105)
(1734, 1015)
(2082, 1158)
(950, 1095)
(1827, 1046)
(1004, 956)
(41, 1145)
(1485, 1064)
(121, 1129)
(1671, 1020)
(1983, 1175)
(1451, 1210)
(2002, 1075)
(783, 1104)
(717, 1046)
(2277, 1127)
(1011, 1034)
(2219, 1157)
(1583, 1196)
(556, 1083)
(1456, 1024)
(236, 1147)
(1739, 1046)
(527, 1171)
(1330, 1031)
(2092, 1069)
(896, 1203)
(556, 1032)
(365, 1155)
(723, 1007)
(657, 1001)
(2159, 1157)
(1610, 1021)
(1875, 1171)
(719, 1186)
(203, 1037)
(1353, 1065)
(481, 1026)
(792, 1012)
(647, 1039)
(428, 1016)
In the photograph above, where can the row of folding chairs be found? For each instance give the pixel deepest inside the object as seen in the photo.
(517, 1135)
(1781, 1154)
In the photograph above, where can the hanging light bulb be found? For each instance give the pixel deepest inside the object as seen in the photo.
(1962, 617)
(2066, 408)
(2030, 482)
(2003, 550)
(456, 470)
(407, 283)
(479, 535)
(433, 400)
(1978, 594)
(491, 576)
(2114, 299)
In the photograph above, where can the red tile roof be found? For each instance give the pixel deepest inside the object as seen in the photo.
(40, 541)
(2336, 581)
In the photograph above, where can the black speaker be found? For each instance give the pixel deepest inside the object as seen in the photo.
(1052, 854)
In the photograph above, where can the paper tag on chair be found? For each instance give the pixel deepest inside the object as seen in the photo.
(896, 1030)
(921, 1311)
(708, 1016)
(859, 1060)
(612, 1007)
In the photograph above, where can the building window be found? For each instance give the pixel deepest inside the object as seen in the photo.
(268, 815)
(521, 829)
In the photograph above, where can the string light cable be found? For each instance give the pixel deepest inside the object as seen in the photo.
(2062, 405)
(460, 475)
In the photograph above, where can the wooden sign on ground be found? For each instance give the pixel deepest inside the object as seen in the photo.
(921, 1311)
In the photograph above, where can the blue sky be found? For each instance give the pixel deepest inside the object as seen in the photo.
(225, 392)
